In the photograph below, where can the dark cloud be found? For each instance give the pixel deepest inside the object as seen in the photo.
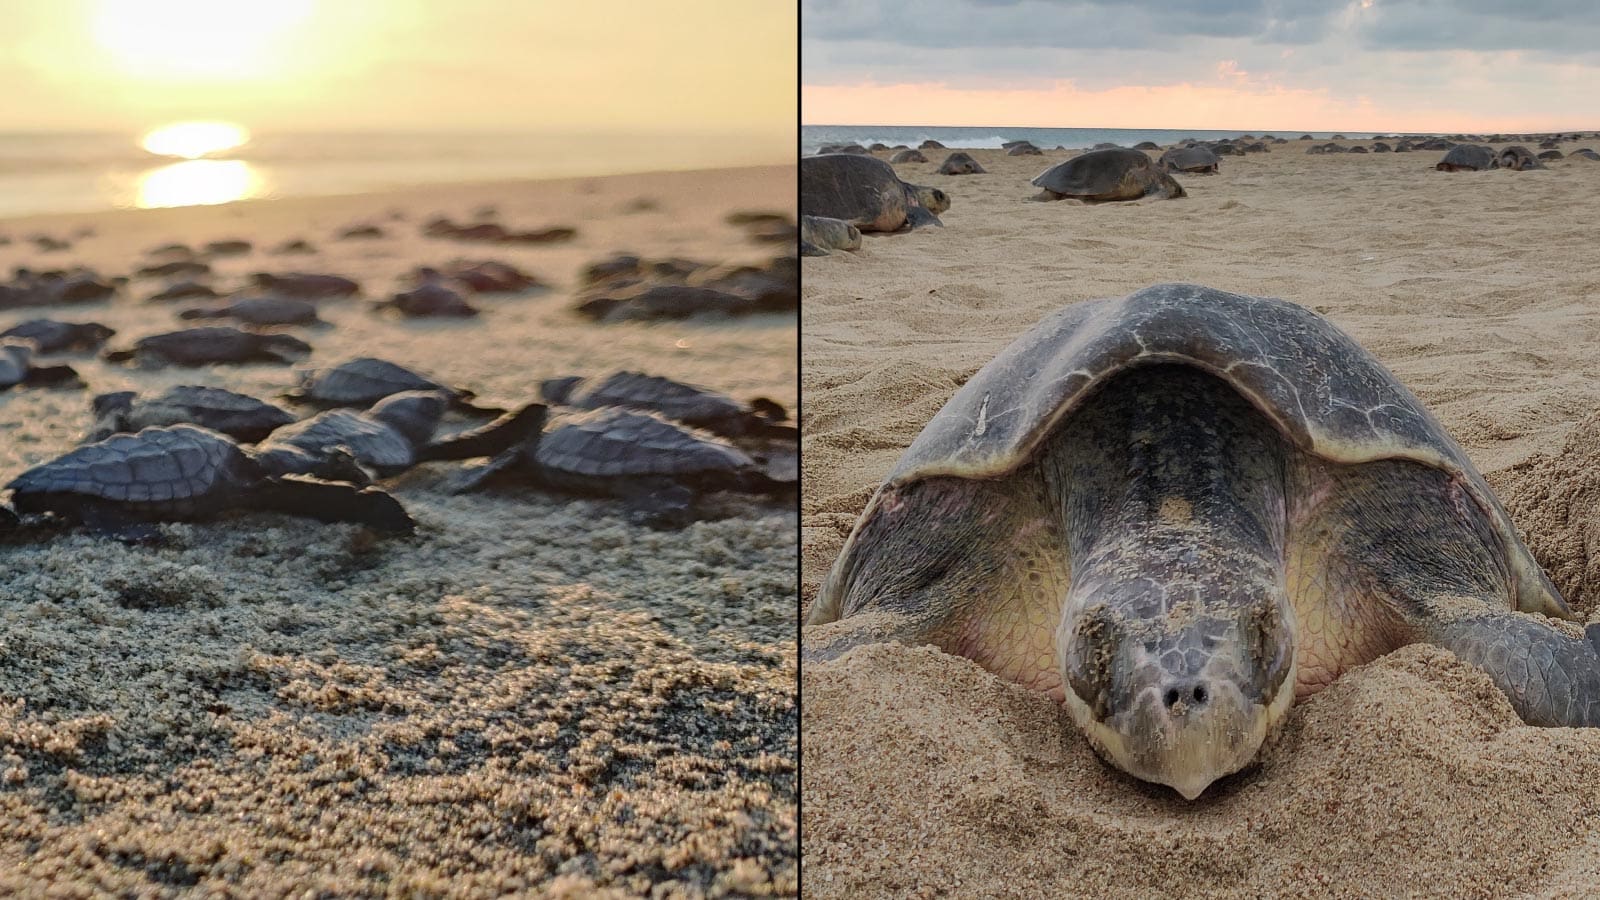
(1548, 26)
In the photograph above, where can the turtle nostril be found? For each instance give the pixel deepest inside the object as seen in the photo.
(1171, 697)
(1199, 694)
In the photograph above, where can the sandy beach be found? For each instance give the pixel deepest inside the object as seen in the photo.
(924, 775)
(530, 696)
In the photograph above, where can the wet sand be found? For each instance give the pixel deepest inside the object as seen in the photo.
(532, 695)
(925, 775)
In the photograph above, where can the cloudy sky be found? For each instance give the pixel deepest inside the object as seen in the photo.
(690, 66)
(1287, 65)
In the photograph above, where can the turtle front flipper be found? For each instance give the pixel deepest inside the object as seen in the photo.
(513, 429)
(1551, 678)
(978, 568)
(334, 501)
(1400, 552)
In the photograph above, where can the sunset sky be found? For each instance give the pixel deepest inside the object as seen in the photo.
(696, 66)
(1368, 65)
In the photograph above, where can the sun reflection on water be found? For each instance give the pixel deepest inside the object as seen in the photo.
(199, 182)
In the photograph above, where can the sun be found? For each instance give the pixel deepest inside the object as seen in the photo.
(196, 38)
(192, 140)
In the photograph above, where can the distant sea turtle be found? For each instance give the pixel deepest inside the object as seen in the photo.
(1147, 145)
(820, 234)
(1551, 154)
(365, 380)
(430, 299)
(864, 192)
(930, 144)
(50, 336)
(210, 345)
(267, 310)
(18, 368)
(239, 416)
(658, 466)
(959, 163)
(1467, 158)
(185, 472)
(908, 156)
(1024, 149)
(305, 285)
(1194, 160)
(1517, 158)
(687, 403)
(1104, 175)
(1180, 510)
(1585, 153)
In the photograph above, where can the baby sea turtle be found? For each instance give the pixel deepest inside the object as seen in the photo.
(267, 310)
(365, 380)
(959, 163)
(384, 439)
(1179, 511)
(184, 290)
(1104, 175)
(50, 336)
(1194, 160)
(1467, 158)
(429, 299)
(687, 403)
(864, 192)
(658, 466)
(239, 416)
(305, 285)
(17, 367)
(209, 345)
(819, 234)
(908, 156)
(184, 472)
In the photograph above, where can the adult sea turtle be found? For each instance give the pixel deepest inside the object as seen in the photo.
(1181, 510)
(866, 193)
(1118, 173)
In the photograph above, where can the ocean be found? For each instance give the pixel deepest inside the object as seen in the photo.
(814, 136)
(91, 172)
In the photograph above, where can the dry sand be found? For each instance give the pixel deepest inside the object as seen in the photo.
(531, 695)
(924, 775)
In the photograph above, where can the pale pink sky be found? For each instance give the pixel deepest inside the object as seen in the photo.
(1367, 65)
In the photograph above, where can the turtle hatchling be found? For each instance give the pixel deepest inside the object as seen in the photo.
(239, 416)
(1100, 176)
(384, 439)
(50, 336)
(209, 345)
(365, 380)
(687, 403)
(659, 467)
(1179, 511)
(184, 472)
(17, 367)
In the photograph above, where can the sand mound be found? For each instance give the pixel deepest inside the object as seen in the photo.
(1555, 499)
(1399, 779)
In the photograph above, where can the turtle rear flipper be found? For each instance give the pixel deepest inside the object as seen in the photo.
(513, 429)
(334, 501)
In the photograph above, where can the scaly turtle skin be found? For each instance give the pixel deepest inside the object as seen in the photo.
(1194, 160)
(365, 380)
(659, 467)
(862, 191)
(239, 416)
(50, 336)
(210, 345)
(385, 439)
(181, 473)
(819, 234)
(1105, 175)
(687, 403)
(1467, 158)
(1179, 511)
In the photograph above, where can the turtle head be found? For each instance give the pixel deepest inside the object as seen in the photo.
(933, 199)
(1174, 688)
(415, 414)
